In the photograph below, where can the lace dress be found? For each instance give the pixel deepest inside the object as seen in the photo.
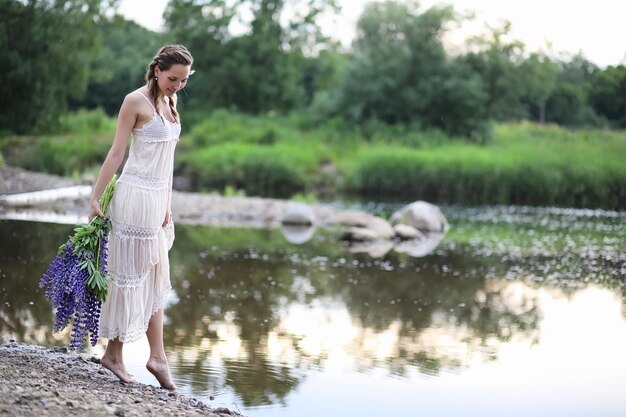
(138, 243)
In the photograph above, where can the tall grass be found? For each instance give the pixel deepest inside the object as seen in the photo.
(524, 164)
(278, 155)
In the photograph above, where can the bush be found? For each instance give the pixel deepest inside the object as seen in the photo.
(60, 155)
(225, 127)
(84, 140)
(277, 171)
(88, 122)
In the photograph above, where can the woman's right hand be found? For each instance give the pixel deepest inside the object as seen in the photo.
(94, 210)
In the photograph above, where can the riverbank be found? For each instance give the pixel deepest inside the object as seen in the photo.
(521, 163)
(188, 208)
(36, 381)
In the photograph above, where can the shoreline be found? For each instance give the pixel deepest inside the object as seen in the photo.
(40, 381)
(187, 207)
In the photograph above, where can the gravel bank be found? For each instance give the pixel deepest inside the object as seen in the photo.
(188, 208)
(16, 180)
(36, 381)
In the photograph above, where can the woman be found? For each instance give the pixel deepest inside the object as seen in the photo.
(142, 229)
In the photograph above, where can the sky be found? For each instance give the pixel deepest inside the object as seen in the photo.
(595, 28)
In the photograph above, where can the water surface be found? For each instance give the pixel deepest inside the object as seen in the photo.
(517, 312)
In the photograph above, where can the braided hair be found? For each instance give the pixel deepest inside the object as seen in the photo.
(164, 59)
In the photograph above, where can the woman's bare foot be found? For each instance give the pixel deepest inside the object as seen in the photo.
(118, 369)
(160, 369)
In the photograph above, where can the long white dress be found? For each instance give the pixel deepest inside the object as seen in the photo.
(138, 246)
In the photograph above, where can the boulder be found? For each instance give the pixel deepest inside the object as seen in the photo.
(421, 215)
(406, 232)
(298, 214)
(364, 220)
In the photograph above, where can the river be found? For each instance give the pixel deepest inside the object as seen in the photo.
(518, 311)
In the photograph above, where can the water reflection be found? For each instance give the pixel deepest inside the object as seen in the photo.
(308, 310)
(258, 320)
(296, 233)
(26, 249)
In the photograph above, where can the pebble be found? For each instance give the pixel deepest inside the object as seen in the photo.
(81, 387)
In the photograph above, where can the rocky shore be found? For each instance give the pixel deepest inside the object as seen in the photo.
(416, 229)
(36, 381)
(188, 208)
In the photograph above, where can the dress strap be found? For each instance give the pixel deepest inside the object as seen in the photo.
(148, 100)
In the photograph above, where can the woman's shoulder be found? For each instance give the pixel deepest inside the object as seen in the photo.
(136, 96)
(136, 101)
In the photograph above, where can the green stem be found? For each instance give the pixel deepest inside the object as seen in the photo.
(98, 255)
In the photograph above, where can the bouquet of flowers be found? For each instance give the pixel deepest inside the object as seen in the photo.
(76, 281)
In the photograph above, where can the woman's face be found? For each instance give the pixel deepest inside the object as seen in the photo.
(173, 79)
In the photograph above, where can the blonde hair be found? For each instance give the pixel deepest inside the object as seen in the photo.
(164, 59)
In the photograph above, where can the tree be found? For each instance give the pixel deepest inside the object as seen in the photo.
(120, 65)
(48, 49)
(568, 104)
(399, 73)
(607, 94)
(256, 71)
(497, 59)
(539, 79)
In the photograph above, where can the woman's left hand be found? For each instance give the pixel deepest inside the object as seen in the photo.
(168, 218)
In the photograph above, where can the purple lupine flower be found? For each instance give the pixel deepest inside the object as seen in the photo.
(73, 300)
(58, 279)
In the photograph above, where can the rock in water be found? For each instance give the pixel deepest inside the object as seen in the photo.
(298, 214)
(421, 215)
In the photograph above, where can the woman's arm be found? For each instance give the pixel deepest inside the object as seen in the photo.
(126, 120)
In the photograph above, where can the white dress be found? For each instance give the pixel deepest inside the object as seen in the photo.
(138, 246)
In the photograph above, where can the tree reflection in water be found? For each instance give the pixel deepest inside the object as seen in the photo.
(251, 282)
(256, 315)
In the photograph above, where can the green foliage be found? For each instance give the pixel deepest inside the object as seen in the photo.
(278, 171)
(257, 71)
(496, 60)
(226, 127)
(400, 74)
(308, 198)
(230, 191)
(608, 94)
(47, 49)
(83, 142)
(120, 65)
(230, 152)
(568, 106)
(526, 165)
(87, 122)
(539, 79)
(60, 155)
(87, 242)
